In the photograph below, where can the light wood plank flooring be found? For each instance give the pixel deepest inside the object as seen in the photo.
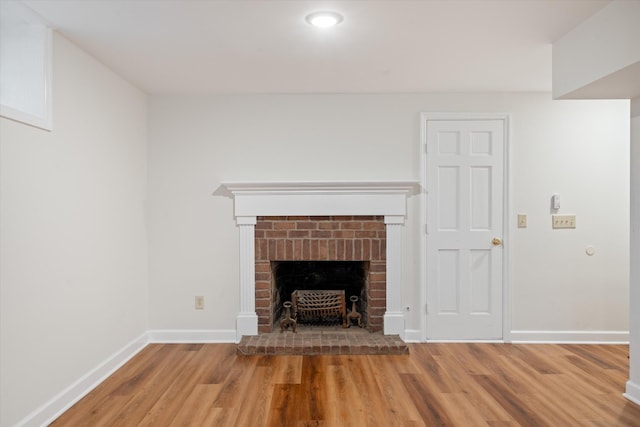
(435, 385)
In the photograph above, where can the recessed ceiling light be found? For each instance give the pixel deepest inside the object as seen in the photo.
(324, 19)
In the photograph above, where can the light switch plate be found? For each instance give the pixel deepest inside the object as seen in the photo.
(563, 221)
(199, 302)
(522, 220)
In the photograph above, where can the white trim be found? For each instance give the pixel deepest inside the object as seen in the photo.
(422, 261)
(466, 341)
(506, 223)
(51, 410)
(315, 198)
(166, 336)
(632, 392)
(320, 198)
(246, 323)
(394, 322)
(413, 336)
(247, 319)
(320, 187)
(394, 316)
(570, 337)
(463, 116)
(44, 121)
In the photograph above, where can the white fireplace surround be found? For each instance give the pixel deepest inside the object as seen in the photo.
(314, 198)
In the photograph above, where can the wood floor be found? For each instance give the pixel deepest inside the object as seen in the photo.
(435, 385)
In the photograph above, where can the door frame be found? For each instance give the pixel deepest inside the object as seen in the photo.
(506, 224)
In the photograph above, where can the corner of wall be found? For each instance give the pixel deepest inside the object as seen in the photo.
(635, 107)
(76, 391)
(633, 392)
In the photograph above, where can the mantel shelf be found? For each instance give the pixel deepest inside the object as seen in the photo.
(388, 198)
(323, 187)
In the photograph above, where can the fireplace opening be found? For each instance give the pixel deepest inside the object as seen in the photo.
(296, 280)
(360, 240)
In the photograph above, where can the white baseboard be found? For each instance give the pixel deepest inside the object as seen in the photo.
(76, 391)
(570, 337)
(633, 392)
(412, 335)
(538, 337)
(192, 336)
(51, 410)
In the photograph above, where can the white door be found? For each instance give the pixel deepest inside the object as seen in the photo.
(464, 249)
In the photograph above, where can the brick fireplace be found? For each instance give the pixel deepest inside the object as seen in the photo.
(320, 221)
(320, 238)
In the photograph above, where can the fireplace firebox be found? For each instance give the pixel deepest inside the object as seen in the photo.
(329, 252)
(350, 277)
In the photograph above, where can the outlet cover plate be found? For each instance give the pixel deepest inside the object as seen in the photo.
(563, 221)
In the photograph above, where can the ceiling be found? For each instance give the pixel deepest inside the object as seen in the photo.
(265, 46)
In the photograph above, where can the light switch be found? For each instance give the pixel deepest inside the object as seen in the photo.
(522, 220)
(199, 302)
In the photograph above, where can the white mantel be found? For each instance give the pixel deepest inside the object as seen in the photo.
(314, 198)
(320, 198)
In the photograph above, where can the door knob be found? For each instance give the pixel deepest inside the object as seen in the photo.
(496, 241)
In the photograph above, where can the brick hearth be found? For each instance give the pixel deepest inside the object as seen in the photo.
(324, 340)
(320, 238)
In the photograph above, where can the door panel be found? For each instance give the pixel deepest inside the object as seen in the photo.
(465, 192)
(448, 213)
(480, 209)
(448, 289)
(480, 281)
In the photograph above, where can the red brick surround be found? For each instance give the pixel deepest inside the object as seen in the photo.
(326, 238)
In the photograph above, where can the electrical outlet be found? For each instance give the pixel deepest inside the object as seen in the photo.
(522, 220)
(200, 302)
(563, 221)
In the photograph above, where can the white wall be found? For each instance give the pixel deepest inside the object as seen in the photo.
(74, 286)
(600, 58)
(579, 149)
(73, 264)
(633, 385)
